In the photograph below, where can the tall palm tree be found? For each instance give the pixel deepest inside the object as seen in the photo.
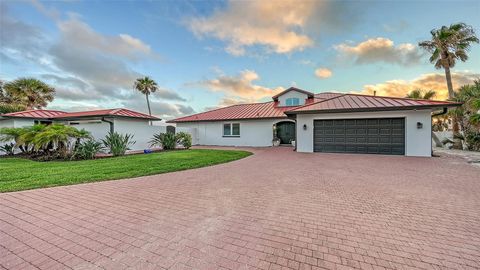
(420, 94)
(447, 45)
(29, 92)
(146, 86)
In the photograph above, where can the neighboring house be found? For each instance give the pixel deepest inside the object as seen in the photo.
(97, 122)
(324, 122)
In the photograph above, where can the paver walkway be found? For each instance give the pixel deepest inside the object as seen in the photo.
(276, 209)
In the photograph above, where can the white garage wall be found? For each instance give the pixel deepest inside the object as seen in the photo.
(417, 141)
(252, 132)
(141, 130)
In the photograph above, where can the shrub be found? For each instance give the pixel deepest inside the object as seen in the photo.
(167, 140)
(8, 149)
(184, 139)
(118, 144)
(87, 149)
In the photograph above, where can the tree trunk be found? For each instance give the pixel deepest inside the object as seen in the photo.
(451, 93)
(149, 111)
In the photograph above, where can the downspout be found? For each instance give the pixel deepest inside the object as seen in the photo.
(112, 128)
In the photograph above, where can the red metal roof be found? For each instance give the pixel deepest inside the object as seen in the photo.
(322, 102)
(51, 114)
(34, 114)
(357, 102)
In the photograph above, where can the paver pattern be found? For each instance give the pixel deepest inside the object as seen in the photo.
(276, 209)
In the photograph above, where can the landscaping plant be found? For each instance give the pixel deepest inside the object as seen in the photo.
(168, 141)
(184, 139)
(8, 149)
(118, 144)
(87, 149)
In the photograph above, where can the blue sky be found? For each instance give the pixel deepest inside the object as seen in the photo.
(205, 54)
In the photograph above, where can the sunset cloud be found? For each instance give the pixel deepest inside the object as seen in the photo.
(323, 73)
(380, 50)
(277, 25)
(240, 86)
(430, 81)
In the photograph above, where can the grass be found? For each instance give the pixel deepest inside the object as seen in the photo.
(21, 174)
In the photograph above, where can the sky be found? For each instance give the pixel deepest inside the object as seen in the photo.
(209, 54)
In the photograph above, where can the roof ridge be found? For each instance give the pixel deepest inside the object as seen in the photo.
(320, 101)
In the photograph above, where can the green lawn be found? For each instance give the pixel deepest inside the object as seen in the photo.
(20, 174)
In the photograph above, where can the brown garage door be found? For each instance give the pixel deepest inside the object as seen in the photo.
(368, 136)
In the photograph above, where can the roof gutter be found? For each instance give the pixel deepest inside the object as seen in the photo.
(444, 111)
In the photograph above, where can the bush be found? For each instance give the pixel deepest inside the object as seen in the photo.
(118, 144)
(167, 141)
(87, 149)
(8, 149)
(184, 139)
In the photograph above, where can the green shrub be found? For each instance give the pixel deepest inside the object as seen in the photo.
(118, 144)
(184, 139)
(8, 149)
(167, 141)
(87, 149)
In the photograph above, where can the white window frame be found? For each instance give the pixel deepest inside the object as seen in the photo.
(291, 99)
(231, 130)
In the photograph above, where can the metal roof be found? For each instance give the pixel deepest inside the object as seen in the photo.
(357, 102)
(321, 103)
(52, 114)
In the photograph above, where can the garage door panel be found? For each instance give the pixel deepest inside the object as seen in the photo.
(373, 135)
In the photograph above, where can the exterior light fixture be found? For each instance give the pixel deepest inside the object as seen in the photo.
(419, 125)
(304, 126)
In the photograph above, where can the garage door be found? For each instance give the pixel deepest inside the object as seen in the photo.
(368, 136)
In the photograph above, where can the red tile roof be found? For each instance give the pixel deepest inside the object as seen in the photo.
(322, 102)
(34, 114)
(357, 102)
(52, 114)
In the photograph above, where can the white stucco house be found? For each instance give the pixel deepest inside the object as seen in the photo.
(323, 122)
(97, 122)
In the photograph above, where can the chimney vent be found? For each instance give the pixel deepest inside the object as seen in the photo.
(375, 93)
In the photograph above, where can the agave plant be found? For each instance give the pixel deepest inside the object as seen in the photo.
(167, 141)
(118, 144)
(8, 149)
(87, 149)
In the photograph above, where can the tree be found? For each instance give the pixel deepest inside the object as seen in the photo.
(146, 86)
(6, 104)
(28, 92)
(447, 45)
(420, 94)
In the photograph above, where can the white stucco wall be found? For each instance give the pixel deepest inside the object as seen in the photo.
(6, 123)
(292, 94)
(417, 141)
(252, 132)
(141, 130)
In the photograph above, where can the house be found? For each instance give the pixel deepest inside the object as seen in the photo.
(97, 122)
(324, 122)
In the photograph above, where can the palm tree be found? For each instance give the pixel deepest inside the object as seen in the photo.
(29, 92)
(420, 94)
(447, 45)
(146, 86)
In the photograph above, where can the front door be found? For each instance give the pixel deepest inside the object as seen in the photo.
(286, 132)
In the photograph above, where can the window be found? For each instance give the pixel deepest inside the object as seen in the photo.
(292, 101)
(231, 130)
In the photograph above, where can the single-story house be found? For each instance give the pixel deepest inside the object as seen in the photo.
(97, 122)
(323, 122)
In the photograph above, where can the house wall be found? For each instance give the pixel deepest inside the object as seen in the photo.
(417, 141)
(292, 94)
(252, 132)
(6, 123)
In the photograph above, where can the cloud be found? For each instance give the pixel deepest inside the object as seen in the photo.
(323, 73)
(277, 25)
(159, 108)
(396, 27)
(240, 86)
(430, 81)
(380, 50)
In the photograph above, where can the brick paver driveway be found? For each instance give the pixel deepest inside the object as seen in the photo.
(274, 210)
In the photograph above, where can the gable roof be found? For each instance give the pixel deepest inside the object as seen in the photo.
(309, 94)
(360, 103)
(53, 114)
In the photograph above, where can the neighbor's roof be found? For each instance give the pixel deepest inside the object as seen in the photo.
(248, 111)
(52, 114)
(357, 103)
